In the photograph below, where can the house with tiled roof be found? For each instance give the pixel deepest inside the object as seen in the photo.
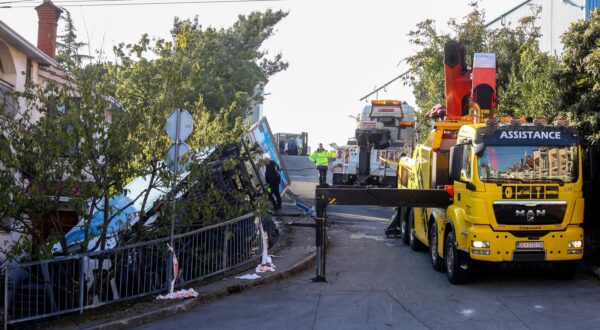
(21, 62)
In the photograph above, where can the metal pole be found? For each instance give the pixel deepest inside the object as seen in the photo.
(6, 297)
(321, 204)
(81, 283)
(225, 247)
(324, 233)
(173, 195)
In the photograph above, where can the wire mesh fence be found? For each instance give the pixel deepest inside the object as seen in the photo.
(47, 288)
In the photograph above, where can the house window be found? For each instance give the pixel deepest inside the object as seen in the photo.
(60, 108)
(8, 103)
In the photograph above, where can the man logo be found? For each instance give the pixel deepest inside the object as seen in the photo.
(530, 214)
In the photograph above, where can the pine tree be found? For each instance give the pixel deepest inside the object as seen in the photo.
(68, 47)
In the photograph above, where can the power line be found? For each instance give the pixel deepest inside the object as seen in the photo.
(14, 1)
(385, 85)
(105, 3)
(490, 23)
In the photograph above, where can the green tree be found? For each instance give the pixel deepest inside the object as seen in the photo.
(579, 98)
(524, 73)
(111, 129)
(35, 174)
(531, 89)
(579, 76)
(222, 63)
(68, 47)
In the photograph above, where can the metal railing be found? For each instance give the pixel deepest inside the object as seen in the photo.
(46, 288)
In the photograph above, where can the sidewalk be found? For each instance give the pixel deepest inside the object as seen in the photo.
(293, 253)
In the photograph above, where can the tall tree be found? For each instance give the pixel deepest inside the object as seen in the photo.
(68, 47)
(222, 63)
(524, 73)
(579, 97)
(111, 129)
(579, 76)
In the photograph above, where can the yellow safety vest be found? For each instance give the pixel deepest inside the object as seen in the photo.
(320, 157)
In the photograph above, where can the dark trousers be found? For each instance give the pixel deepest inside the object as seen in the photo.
(322, 174)
(275, 197)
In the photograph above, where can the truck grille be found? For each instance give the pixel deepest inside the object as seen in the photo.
(529, 256)
(529, 212)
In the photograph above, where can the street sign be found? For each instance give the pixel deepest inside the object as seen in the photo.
(183, 157)
(179, 128)
(186, 125)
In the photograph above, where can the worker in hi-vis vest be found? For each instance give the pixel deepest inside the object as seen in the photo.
(320, 158)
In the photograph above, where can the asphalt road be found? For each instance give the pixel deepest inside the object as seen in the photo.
(375, 282)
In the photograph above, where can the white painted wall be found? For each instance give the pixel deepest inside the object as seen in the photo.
(16, 60)
(555, 19)
(18, 78)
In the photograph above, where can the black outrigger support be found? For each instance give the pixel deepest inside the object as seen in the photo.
(357, 195)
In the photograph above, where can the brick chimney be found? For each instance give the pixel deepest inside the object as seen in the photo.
(48, 15)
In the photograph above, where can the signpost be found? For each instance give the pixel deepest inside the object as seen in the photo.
(179, 127)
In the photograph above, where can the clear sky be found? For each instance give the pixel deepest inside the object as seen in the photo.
(338, 50)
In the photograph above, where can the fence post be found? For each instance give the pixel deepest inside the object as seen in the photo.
(225, 247)
(6, 297)
(261, 235)
(81, 283)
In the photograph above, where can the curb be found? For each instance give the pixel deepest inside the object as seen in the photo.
(189, 304)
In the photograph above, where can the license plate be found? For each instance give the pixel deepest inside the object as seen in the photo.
(530, 245)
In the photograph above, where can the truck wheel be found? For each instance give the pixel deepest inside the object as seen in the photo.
(413, 241)
(565, 270)
(456, 274)
(436, 262)
(403, 226)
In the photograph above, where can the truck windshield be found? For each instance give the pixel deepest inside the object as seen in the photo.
(529, 164)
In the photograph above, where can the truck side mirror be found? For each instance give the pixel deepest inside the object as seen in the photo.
(456, 157)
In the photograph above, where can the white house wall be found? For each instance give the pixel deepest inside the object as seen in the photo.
(19, 78)
(556, 17)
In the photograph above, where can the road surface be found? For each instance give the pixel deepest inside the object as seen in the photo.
(379, 283)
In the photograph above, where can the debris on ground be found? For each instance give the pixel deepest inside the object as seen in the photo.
(181, 294)
(263, 268)
(248, 277)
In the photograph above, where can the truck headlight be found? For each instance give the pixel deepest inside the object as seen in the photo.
(575, 244)
(480, 244)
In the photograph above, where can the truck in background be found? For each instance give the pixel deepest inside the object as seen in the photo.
(301, 140)
(385, 132)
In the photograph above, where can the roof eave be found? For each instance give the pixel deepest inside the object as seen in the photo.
(11, 36)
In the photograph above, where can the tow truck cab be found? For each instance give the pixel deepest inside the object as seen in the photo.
(517, 196)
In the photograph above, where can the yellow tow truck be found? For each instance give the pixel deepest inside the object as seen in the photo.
(480, 189)
(516, 192)
(516, 187)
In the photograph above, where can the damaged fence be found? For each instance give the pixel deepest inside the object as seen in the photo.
(53, 287)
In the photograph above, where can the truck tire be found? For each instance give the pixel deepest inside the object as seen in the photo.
(456, 274)
(403, 226)
(565, 270)
(436, 262)
(413, 241)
